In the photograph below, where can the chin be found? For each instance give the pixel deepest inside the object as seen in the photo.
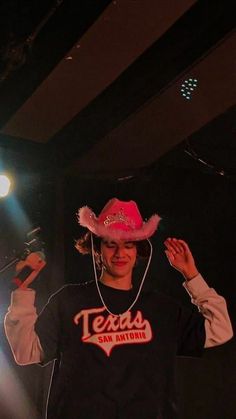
(120, 273)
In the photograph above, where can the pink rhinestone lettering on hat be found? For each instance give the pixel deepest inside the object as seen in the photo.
(120, 217)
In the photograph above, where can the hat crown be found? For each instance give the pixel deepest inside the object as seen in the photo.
(122, 215)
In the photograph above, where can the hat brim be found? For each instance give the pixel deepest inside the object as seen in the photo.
(87, 218)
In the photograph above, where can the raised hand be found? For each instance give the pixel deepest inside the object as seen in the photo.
(180, 257)
(36, 262)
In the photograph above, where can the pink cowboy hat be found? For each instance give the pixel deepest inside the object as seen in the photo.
(119, 220)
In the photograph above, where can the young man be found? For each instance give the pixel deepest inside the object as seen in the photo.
(114, 344)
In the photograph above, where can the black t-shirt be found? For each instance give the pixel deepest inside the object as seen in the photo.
(115, 367)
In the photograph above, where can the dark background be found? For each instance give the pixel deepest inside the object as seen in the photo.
(195, 206)
(114, 124)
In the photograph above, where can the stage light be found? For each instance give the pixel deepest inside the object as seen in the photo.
(5, 185)
(188, 87)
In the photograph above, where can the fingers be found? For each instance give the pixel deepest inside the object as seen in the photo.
(20, 265)
(184, 245)
(175, 245)
(35, 261)
(170, 256)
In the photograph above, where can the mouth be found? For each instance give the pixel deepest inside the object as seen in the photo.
(119, 264)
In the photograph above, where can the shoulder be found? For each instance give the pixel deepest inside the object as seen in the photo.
(67, 297)
(73, 290)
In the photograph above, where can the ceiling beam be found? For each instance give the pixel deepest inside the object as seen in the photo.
(192, 36)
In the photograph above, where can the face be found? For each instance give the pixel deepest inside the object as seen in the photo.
(118, 257)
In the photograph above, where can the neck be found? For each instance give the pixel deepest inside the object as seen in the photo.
(121, 283)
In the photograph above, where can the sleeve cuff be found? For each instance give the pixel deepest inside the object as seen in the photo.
(23, 297)
(196, 286)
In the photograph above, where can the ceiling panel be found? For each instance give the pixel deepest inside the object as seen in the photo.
(122, 32)
(168, 118)
(105, 80)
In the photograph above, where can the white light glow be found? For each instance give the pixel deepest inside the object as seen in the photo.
(10, 385)
(4, 186)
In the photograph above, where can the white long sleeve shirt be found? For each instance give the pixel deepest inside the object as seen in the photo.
(22, 315)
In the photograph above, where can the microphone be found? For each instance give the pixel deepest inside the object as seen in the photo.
(34, 231)
(33, 243)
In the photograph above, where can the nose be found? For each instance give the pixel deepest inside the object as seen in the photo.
(119, 251)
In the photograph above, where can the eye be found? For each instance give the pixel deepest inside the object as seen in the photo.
(109, 245)
(129, 245)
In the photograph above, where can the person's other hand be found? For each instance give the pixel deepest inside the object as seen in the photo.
(180, 257)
